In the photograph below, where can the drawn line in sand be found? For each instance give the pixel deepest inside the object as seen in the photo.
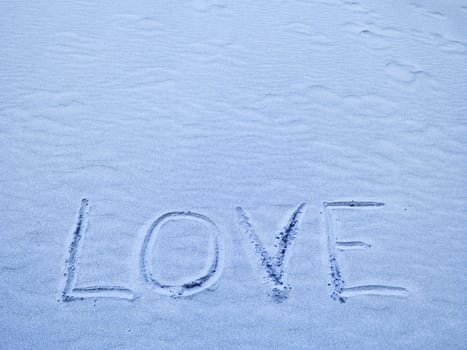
(374, 290)
(273, 264)
(351, 245)
(340, 292)
(70, 291)
(194, 285)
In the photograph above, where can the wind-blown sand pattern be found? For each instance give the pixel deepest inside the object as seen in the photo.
(192, 131)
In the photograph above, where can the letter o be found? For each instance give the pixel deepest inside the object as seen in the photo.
(191, 287)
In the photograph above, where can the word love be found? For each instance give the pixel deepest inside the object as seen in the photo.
(272, 264)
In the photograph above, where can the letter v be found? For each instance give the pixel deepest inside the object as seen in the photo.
(273, 265)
